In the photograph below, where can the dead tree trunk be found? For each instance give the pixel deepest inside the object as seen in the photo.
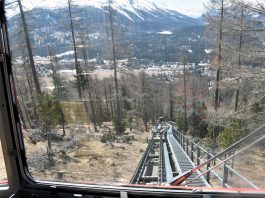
(58, 89)
(216, 100)
(84, 52)
(107, 103)
(92, 103)
(239, 56)
(20, 105)
(185, 97)
(118, 107)
(111, 103)
(171, 102)
(77, 66)
(30, 54)
(31, 94)
(193, 99)
(144, 101)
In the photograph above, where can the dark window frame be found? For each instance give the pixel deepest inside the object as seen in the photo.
(19, 178)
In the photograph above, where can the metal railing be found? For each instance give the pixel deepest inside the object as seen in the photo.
(218, 176)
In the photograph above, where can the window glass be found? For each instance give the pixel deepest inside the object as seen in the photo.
(141, 91)
(3, 176)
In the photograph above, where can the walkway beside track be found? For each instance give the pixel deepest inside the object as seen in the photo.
(182, 161)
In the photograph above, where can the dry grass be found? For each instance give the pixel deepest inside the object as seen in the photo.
(96, 162)
(102, 164)
(251, 164)
(74, 112)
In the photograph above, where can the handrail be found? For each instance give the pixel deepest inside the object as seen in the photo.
(242, 177)
(238, 152)
(4, 182)
(183, 141)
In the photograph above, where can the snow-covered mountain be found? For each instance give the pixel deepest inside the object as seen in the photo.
(120, 5)
(141, 28)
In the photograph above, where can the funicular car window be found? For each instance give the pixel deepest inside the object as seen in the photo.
(140, 91)
(3, 176)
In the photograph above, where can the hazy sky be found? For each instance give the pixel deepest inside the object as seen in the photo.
(192, 8)
(189, 7)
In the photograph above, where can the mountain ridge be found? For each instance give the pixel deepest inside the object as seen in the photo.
(146, 32)
(130, 5)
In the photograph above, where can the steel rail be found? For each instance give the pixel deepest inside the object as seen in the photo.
(138, 174)
(138, 171)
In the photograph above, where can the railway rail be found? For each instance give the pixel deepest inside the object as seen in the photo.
(159, 164)
(150, 169)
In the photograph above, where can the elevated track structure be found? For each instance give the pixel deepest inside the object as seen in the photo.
(170, 154)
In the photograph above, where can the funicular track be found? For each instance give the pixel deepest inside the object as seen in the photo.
(160, 162)
(151, 167)
(171, 156)
(183, 161)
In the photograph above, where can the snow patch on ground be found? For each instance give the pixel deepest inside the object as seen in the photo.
(124, 14)
(208, 51)
(37, 59)
(95, 35)
(65, 54)
(67, 71)
(166, 32)
(42, 60)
